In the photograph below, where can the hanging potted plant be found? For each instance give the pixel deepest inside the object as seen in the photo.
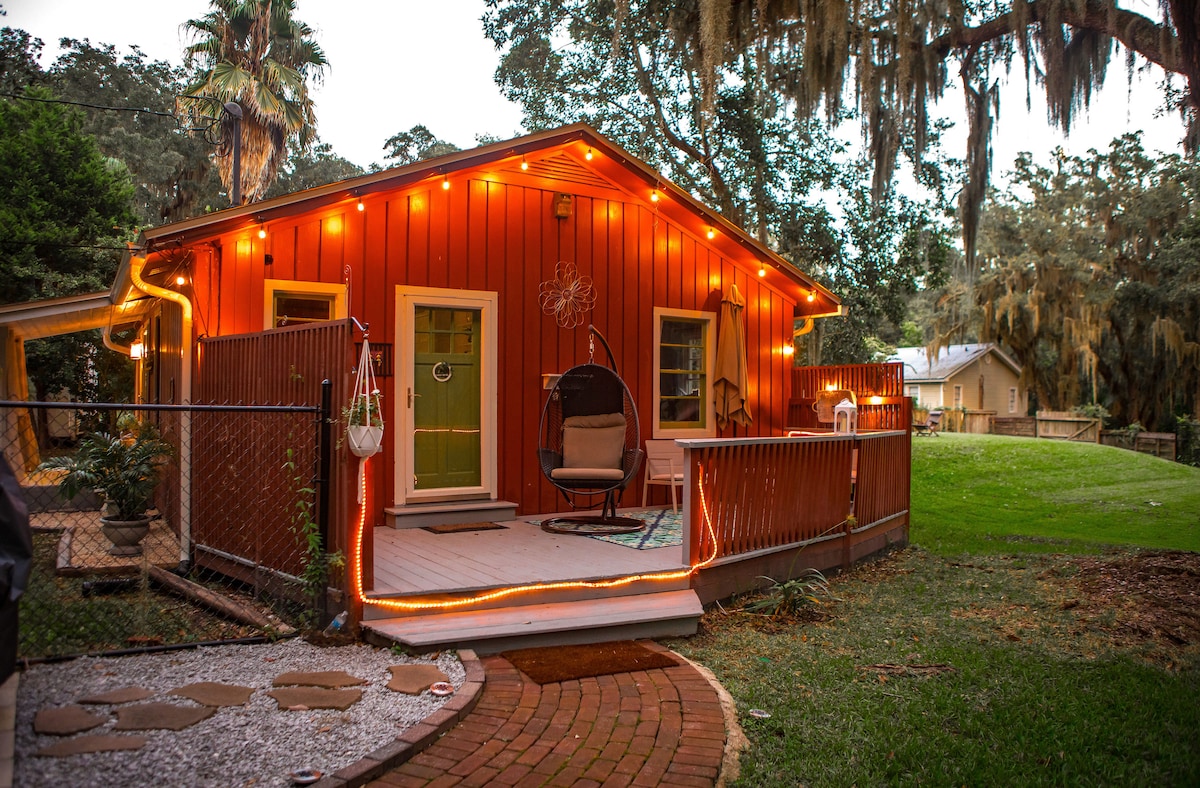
(125, 469)
(364, 415)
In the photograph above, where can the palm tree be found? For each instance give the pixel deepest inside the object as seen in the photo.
(254, 53)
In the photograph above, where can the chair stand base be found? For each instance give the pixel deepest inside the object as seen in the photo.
(585, 525)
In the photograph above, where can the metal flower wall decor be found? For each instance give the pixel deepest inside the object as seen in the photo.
(568, 296)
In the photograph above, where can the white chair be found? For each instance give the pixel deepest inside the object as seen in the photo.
(664, 466)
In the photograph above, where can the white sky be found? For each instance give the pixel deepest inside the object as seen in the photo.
(396, 63)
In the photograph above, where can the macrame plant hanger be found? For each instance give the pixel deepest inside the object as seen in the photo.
(364, 425)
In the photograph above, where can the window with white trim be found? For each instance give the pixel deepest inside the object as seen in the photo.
(291, 303)
(914, 391)
(958, 396)
(685, 352)
(1012, 399)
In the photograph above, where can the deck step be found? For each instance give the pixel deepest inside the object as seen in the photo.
(423, 515)
(656, 615)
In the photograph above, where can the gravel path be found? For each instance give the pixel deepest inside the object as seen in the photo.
(256, 744)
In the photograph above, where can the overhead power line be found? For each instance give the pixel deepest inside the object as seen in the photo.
(90, 106)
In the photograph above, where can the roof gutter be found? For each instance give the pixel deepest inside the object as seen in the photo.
(136, 263)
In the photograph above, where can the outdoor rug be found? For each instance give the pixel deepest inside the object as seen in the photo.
(565, 663)
(663, 529)
(458, 528)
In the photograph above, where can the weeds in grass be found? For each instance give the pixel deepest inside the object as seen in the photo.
(788, 599)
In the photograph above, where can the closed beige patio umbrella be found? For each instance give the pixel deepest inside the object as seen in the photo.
(731, 376)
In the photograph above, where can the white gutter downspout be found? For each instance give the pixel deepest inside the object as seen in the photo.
(185, 396)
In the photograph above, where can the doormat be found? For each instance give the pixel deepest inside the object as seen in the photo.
(565, 663)
(458, 528)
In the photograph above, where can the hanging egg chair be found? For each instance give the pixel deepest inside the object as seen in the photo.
(590, 443)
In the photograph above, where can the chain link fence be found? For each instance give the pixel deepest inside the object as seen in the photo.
(228, 542)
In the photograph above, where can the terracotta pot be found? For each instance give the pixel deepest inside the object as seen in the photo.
(364, 441)
(126, 535)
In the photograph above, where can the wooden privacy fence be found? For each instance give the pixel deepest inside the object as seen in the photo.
(1158, 444)
(765, 494)
(1059, 425)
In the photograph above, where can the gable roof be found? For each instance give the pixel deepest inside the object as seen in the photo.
(577, 154)
(947, 362)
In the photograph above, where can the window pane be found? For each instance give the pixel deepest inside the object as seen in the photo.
(293, 308)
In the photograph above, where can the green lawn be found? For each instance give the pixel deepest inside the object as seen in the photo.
(986, 494)
(982, 655)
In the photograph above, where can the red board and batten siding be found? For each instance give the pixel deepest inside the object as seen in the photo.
(485, 233)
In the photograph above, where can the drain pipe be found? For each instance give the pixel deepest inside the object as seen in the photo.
(136, 263)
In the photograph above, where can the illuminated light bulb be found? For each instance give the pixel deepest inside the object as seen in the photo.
(789, 350)
(711, 233)
(361, 207)
(831, 387)
(445, 183)
(181, 280)
(762, 270)
(262, 231)
(588, 155)
(654, 196)
(524, 164)
(811, 296)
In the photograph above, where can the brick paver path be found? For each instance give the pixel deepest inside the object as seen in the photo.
(661, 727)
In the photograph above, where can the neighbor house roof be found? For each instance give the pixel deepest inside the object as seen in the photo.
(919, 367)
(553, 155)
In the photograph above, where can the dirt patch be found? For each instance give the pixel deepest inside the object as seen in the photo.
(1140, 598)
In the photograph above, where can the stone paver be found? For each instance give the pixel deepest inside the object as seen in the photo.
(662, 727)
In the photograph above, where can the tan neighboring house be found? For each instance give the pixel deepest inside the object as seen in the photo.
(976, 379)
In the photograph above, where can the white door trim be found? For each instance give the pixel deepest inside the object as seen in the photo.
(407, 299)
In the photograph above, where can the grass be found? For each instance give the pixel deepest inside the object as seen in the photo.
(976, 656)
(974, 494)
(58, 619)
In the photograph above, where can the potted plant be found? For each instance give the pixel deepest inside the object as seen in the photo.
(364, 423)
(125, 469)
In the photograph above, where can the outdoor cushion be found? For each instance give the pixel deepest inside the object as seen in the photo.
(588, 474)
(594, 441)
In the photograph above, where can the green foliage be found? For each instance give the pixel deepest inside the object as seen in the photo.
(416, 144)
(789, 598)
(1187, 441)
(989, 494)
(748, 152)
(318, 562)
(1091, 277)
(58, 194)
(126, 469)
(257, 54)
(308, 169)
(364, 410)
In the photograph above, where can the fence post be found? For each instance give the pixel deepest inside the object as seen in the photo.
(324, 464)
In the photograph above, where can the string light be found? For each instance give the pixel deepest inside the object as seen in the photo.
(262, 230)
(181, 280)
(445, 183)
(588, 155)
(396, 604)
(711, 233)
(811, 296)
(524, 164)
(654, 196)
(762, 270)
(361, 207)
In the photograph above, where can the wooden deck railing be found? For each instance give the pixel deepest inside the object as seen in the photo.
(757, 495)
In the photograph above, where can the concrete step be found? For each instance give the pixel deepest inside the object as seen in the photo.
(657, 615)
(421, 515)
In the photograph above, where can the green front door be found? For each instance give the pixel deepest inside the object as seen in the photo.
(446, 397)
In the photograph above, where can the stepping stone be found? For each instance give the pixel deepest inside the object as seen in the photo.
(211, 693)
(66, 720)
(85, 744)
(414, 679)
(321, 678)
(315, 698)
(124, 695)
(160, 716)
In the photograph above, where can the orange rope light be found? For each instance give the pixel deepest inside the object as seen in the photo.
(617, 582)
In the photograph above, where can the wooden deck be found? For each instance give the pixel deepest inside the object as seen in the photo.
(415, 561)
